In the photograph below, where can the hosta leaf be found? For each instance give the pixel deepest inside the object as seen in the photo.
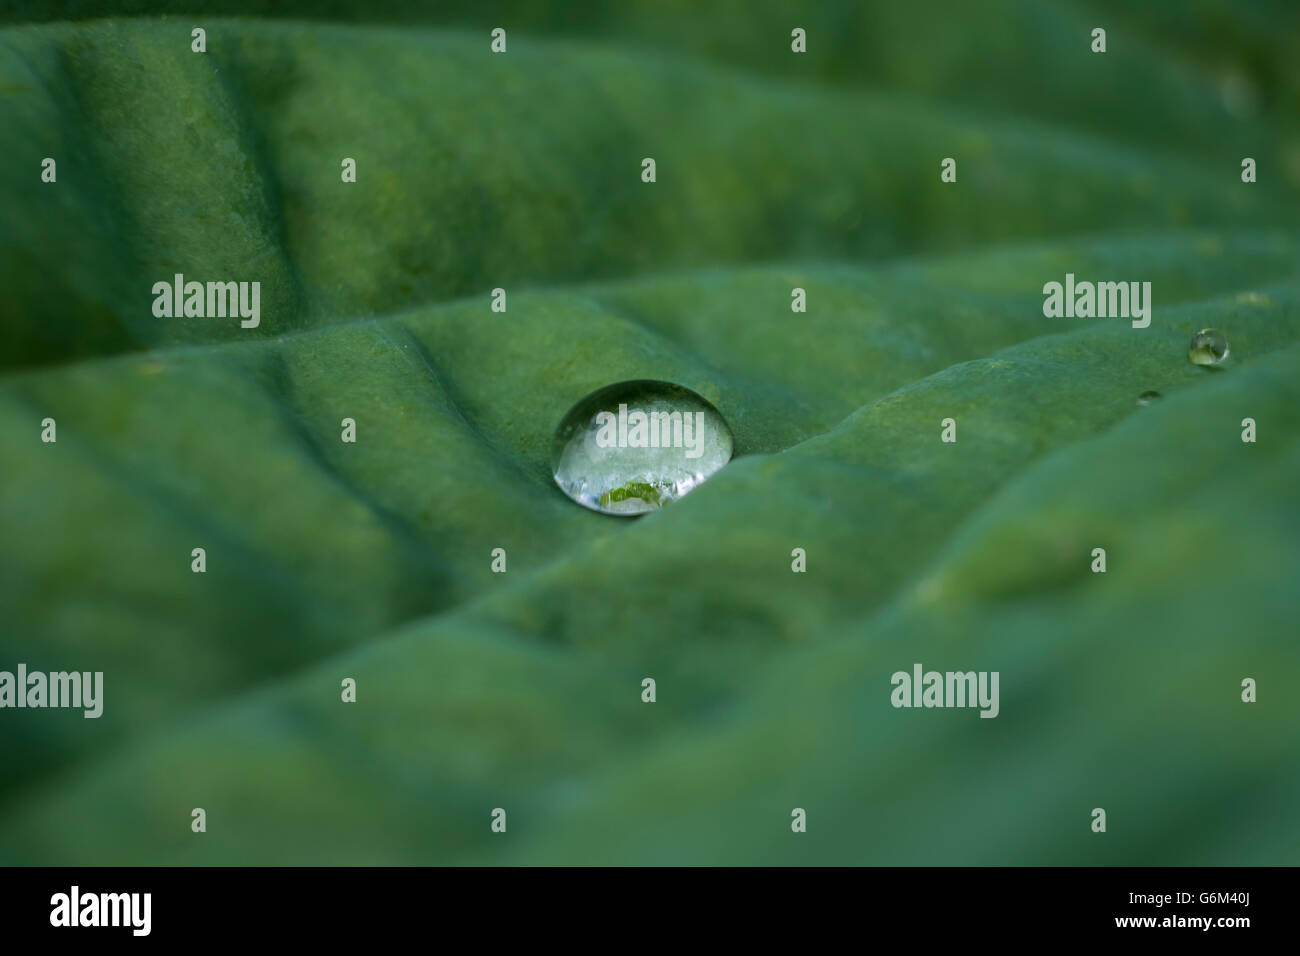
(371, 560)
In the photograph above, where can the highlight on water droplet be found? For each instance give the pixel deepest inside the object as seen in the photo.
(631, 448)
(1146, 398)
(1209, 347)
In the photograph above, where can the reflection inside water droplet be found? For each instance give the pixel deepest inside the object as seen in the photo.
(1146, 398)
(1209, 347)
(631, 448)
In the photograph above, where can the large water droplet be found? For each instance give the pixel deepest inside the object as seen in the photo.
(633, 447)
(1209, 347)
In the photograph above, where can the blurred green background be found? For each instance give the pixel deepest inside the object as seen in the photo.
(521, 690)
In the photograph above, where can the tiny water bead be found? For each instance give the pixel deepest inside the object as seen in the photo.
(1209, 347)
(1146, 398)
(630, 448)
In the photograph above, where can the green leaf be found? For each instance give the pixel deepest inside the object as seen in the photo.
(371, 560)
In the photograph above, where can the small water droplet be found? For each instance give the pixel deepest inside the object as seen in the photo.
(1146, 398)
(1209, 347)
(630, 448)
